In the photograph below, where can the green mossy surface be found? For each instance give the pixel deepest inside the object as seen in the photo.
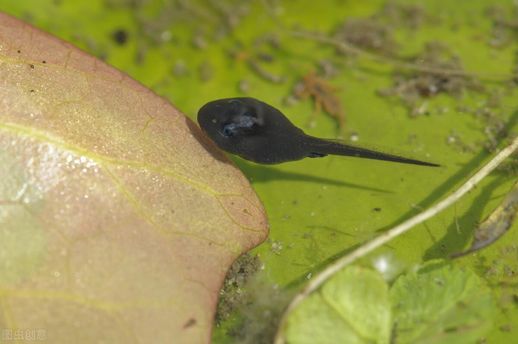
(195, 51)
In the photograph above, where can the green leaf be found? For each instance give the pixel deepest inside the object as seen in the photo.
(438, 303)
(353, 307)
(441, 304)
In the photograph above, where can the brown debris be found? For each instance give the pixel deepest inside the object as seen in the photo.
(501, 34)
(413, 87)
(367, 34)
(323, 94)
(409, 15)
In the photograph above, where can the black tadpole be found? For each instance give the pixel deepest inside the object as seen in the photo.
(259, 132)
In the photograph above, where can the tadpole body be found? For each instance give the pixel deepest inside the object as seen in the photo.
(260, 133)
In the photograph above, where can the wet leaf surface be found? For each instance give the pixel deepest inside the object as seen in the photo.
(441, 304)
(437, 303)
(353, 307)
(118, 219)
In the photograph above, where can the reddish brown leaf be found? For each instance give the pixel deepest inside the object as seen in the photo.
(118, 219)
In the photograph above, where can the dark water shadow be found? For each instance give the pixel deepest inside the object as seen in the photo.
(442, 190)
(206, 142)
(461, 231)
(437, 194)
(265, 174)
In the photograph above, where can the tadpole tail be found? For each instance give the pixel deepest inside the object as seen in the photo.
(320, 147)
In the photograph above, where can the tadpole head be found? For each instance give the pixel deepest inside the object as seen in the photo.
(226, 121)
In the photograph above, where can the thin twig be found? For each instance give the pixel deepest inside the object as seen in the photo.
(394, 61)
(394, 232)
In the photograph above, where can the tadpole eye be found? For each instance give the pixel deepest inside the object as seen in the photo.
(241, 125)
(229, 130)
